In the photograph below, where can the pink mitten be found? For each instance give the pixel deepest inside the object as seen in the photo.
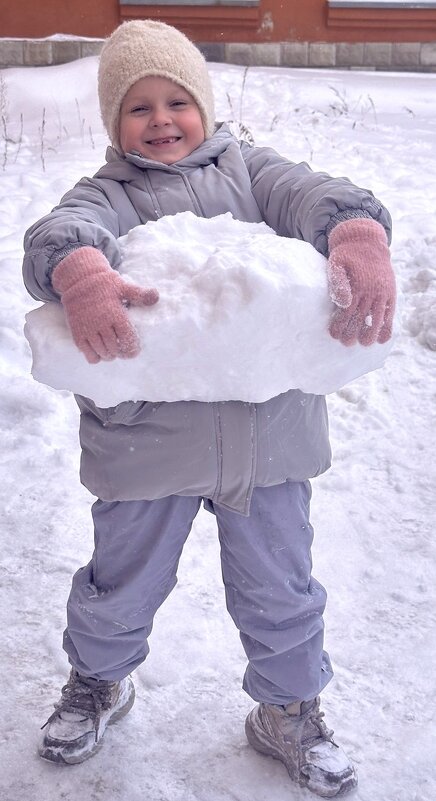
(94, 298)
(361, 282)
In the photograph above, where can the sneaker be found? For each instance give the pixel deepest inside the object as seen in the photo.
(75, 730)
(297, 735)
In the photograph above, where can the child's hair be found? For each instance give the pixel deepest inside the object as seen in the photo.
(146, 47)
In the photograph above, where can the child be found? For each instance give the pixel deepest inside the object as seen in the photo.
(248, 463)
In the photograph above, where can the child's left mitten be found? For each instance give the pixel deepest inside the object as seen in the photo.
(361, 282)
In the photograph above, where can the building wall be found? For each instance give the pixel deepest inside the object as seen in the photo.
(269, 21)
(40, 18)
(294, 33)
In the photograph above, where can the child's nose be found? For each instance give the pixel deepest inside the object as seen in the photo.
(160, 116)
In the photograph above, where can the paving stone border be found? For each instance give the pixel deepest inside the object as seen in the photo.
(399, 56)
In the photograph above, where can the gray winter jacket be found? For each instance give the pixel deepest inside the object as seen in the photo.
(142, 450)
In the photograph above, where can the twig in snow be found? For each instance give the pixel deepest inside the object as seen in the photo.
(20, 138)
(5, 143)
(91, 138)
(81, 119)
(42, 140)
(241, 97)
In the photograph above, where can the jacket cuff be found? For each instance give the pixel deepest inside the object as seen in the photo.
(347, 214)
(60, 254)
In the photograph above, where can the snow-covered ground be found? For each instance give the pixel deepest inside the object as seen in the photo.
(373, 512)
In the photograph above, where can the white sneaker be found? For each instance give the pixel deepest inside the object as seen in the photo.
(75, 729)
(298, 736)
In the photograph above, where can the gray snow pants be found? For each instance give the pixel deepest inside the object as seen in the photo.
(266, 565)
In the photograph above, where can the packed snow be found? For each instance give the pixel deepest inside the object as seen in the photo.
(373, 512)
(252, 306)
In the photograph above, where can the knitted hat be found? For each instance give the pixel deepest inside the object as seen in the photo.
(147, 47)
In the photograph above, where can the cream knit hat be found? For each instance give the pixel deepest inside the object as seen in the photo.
(147, 47)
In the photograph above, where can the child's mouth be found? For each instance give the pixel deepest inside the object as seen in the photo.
(168, 140)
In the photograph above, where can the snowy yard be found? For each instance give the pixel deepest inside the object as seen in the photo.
(373, 512)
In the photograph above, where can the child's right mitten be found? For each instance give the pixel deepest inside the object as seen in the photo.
(95, 298)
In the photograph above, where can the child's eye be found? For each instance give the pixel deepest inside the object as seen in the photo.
(179, 103)
(138, 109)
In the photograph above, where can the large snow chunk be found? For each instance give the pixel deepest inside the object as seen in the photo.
(243, 315)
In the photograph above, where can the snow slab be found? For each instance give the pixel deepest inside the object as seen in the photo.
(243, 315)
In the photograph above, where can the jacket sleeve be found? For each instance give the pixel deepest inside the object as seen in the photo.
(302, 204)
(83, 217)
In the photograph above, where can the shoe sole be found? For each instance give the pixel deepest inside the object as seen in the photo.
(262, 743)
(53, 752)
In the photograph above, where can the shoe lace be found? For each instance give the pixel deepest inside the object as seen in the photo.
(85, 696)
(315, 717)
(315, 729)
(312, 727)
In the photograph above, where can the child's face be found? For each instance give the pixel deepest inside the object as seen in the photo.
(160, 120)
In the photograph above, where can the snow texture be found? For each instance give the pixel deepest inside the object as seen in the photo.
(243, 315)
(373, 512)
